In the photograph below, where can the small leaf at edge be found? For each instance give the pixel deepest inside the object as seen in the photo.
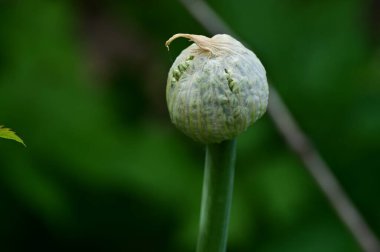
(9, 134)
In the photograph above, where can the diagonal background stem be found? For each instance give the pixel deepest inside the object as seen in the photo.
(298, 142)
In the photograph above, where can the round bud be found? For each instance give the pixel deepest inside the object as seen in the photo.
(216, 88)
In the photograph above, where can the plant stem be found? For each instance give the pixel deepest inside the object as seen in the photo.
(216, 196)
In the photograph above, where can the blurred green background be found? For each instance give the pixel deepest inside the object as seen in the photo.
(83, 83)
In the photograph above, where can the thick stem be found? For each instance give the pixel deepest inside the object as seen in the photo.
(216, 197)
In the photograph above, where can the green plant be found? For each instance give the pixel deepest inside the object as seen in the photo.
(216, 89)
(9, 134)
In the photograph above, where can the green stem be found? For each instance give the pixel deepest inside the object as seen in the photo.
(216, 197)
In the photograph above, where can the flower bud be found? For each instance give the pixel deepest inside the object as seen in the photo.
(216, 88)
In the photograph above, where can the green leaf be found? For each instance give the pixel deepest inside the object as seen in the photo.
(9, 134)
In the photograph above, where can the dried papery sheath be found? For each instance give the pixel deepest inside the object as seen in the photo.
(216, 88)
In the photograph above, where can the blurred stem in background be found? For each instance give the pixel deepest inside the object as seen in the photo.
(217, 196)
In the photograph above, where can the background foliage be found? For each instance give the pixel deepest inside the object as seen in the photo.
(83, 84)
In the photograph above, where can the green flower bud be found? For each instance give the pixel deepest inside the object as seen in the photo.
(216, 88)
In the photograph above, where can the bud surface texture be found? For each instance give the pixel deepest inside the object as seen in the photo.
(216, 88)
